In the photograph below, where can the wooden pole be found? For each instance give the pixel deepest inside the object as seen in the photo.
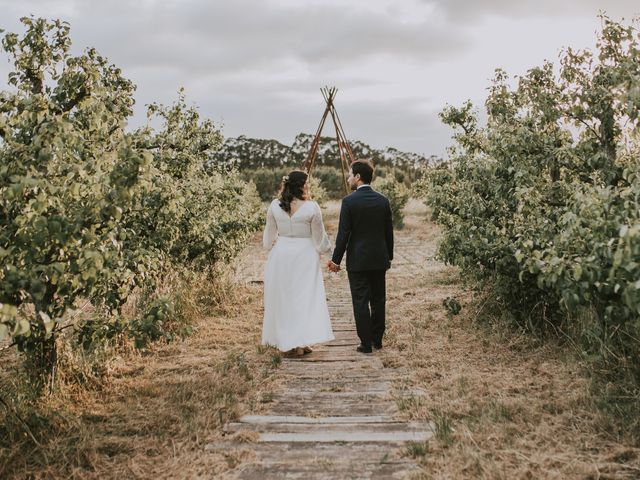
(341, 152)
(344, 149)
(310, 162)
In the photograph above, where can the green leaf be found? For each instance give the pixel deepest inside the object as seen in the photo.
(577, 272)
(623, 230)
(22, 327)
(47, 322)
(4, 331)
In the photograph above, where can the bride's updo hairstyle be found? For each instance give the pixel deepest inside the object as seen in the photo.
(292, 188)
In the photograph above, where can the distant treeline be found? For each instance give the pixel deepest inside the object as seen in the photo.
(267, 180)
(265, 162)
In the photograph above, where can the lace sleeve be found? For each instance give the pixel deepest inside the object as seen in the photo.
(318, 234)
(270, 230)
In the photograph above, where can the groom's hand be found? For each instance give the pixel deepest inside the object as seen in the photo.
(333, 267)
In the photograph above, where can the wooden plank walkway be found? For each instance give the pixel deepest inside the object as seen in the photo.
(335, 415)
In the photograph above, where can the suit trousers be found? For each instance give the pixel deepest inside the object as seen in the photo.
(368, 292)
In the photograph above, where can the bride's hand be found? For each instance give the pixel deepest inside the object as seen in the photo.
(333, 267)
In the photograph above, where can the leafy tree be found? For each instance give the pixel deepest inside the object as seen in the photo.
(198, 214)
(397, 194)
(90, 211)
(542, 201)
(331, 180)
(67, 173)
(266, 180)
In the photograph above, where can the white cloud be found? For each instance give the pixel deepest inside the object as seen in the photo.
(463, 10)
(257, 65)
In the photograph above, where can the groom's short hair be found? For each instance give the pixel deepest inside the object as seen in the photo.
(364, 168)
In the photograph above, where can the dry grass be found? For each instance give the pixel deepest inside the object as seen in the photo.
(502, 406)
(147, 414)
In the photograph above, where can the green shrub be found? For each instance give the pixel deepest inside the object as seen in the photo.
(266, 180)
(397, 194)
(318, 193)
(91, 212)
(542, 202)
(331, 180)
(152, 325)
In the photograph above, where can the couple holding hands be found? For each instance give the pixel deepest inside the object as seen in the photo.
(295, 307)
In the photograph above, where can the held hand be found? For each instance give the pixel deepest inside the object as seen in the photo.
(333, 267)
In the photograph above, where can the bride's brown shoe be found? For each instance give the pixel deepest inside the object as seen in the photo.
(294, 352)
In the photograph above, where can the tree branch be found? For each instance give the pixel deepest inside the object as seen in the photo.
(36, 82)
(70, 104)
(593, 130)
(24, 424)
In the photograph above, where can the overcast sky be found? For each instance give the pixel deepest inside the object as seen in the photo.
(255, 66)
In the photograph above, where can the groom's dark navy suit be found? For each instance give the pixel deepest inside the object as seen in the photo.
(365, 232)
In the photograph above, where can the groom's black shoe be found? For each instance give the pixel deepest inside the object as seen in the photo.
(377, 345)
(363, 349)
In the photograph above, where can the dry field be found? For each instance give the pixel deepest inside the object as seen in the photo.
(145, 414)
(502, 405)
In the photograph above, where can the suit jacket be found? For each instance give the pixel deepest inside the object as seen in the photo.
(365, 231)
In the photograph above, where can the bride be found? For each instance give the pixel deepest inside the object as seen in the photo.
(295, 306)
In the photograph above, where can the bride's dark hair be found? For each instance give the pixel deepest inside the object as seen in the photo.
(292, 187)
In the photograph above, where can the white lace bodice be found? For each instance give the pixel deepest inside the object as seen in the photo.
(306, 222)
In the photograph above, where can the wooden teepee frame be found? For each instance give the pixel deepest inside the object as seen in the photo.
(346, 154)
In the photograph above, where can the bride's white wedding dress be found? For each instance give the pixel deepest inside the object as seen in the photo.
(295, 305)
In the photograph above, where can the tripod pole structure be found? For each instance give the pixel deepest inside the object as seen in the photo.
(344, 149)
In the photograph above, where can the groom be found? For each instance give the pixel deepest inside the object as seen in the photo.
(366, 233)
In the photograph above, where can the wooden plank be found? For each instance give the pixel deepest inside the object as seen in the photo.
(324, 469)
(311, 370)
(336, 351)
(345, 334)
(337, 356)
(291, 372)
(362, 361)
(293, 395)
(342, 342)
(329, 357)
(347, 436)
(308, 389)
(363, 429)
(297, 452)
(265, 419)
(333, 409)
(356, 379)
